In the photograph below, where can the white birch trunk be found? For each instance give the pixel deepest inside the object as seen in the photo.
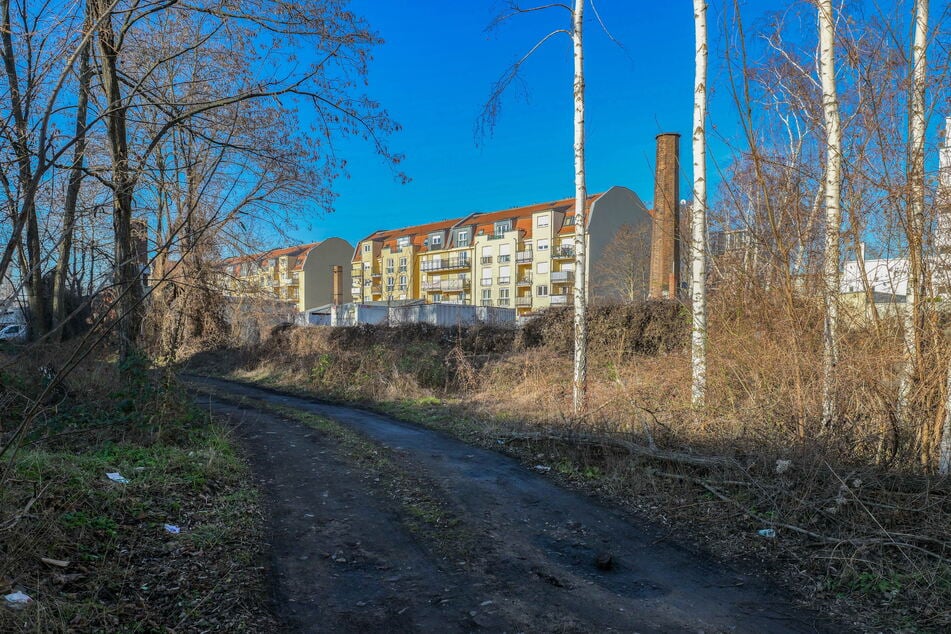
(580, 391)
(916, 205)
(944, 448)
(832, 195)
(698, 213)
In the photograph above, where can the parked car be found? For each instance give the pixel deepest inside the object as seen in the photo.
(13, 332)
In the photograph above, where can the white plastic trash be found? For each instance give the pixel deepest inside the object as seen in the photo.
(17, 600)
(117, 477)
(171, 528)
(766, 532)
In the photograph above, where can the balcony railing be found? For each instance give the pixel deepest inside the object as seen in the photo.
(503, 301)
(486, 259)
(444, 265)
(376, 289)
(486, 281)
(525, 280)
(558, 300)
(563, 276)
(524, 256)
(505, 258)
(505, 280)
(390, 270)
(523, 301)
(402, 268)
(486, 302)
(455, 286)
(563, 253)
(430, 285)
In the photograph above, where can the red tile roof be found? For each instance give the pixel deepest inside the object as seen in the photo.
(299, 252)
(521, 217)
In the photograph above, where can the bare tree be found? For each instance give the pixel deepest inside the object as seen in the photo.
(580, 392)
(698, 213)
(833, 184)
(914, 223)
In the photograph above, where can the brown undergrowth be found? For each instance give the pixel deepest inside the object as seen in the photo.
(851, 518)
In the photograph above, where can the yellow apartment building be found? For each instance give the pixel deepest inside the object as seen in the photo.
(521, 258)
(301, 274)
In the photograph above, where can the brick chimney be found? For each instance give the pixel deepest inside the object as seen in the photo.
(337, 272)
(665, 232)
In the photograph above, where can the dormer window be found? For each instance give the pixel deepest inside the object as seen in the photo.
(462, 238)
(435, 240)
(367, 247)
(402, 241)
(503, 226)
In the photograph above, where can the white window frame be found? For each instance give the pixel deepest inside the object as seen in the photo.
(543, 221)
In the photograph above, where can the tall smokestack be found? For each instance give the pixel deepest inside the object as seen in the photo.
(665, 234)
(337, 272)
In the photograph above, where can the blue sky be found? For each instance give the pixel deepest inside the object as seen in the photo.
(434, 73)
(436, 69)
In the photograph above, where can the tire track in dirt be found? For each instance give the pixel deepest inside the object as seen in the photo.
(529, 556)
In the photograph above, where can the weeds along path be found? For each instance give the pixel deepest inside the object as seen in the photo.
(379, 525)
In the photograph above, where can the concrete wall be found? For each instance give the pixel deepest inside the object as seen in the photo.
(619, 206)
(316, 285)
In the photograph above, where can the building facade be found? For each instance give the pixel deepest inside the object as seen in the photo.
(301, 275)
(520, 258)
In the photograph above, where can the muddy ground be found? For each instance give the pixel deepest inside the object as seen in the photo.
(403, 529)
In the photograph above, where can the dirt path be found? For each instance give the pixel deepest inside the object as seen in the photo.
(506, 550)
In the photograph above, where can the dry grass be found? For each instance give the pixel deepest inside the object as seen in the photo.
(861, 526)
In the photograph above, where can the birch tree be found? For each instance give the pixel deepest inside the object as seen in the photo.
(580, 391)
(914, 224)
(490, 113)
(698, 212)
(832, 195)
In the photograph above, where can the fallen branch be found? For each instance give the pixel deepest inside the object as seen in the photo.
(863, 541)
(632, 448)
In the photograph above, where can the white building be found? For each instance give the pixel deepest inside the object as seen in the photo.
(884, 275)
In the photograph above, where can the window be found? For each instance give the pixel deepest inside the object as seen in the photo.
(487, 252)
(487, 281)
(486, 293)
(462, 238)
(503, 226)
(541, 267)
(541, 245)
(403, 281)
(503, 293)
(435, 240)
(402, 241)
(542, 290)
(543, 221)
(389, 282)
(505, 253)
(367, 247)
(437, 297)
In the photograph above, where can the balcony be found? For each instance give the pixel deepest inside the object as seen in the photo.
(376, 275)
(505, 258)
(523, 256)
(524, 280)
(564, 277)
(486, 281)
(558, 300)
(455, 286)
(376, 289)
(563, 253)
(504, 280)
(487, 259)
(430, 285)
(523, 301)
(446, 265)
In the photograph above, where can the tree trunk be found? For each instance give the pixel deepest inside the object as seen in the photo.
(580, 392)
(914, 225)
(944, 444)
(833, 185)
(698, 213)
(127, 274)
(72, 194)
